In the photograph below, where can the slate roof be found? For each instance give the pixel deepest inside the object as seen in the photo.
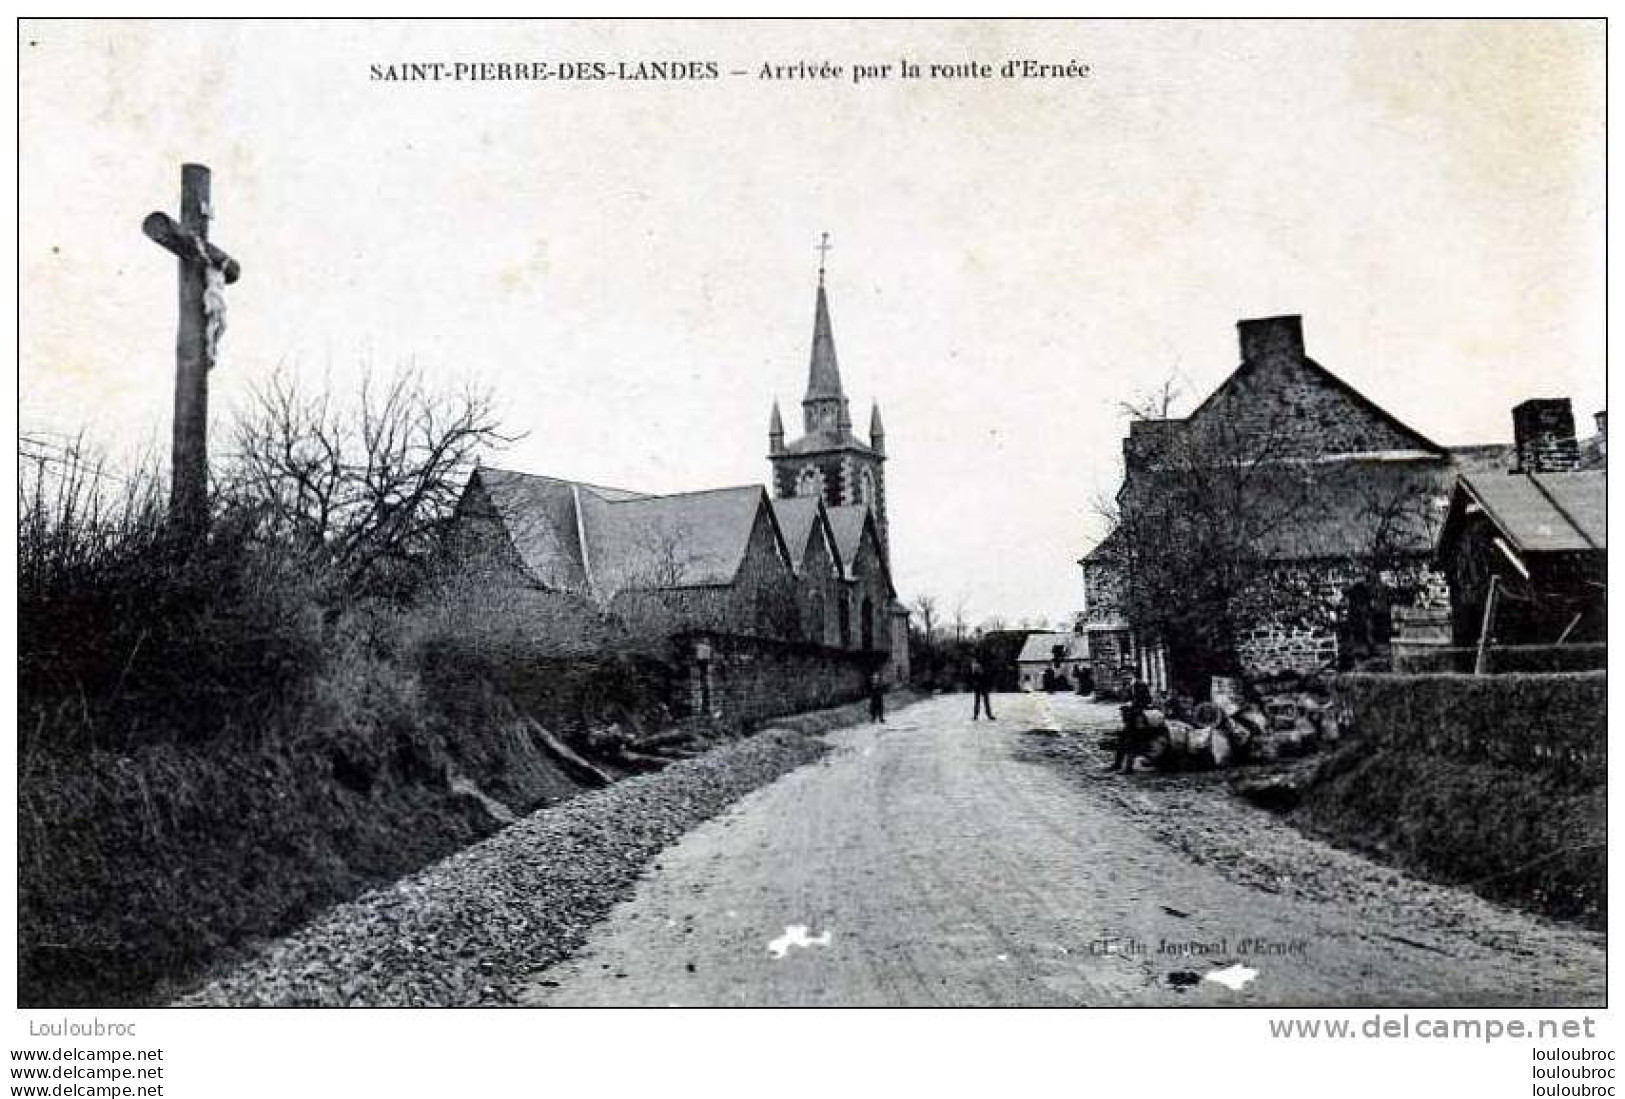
(796, 515)
(696, 539)
(1307, 511)
(1350, 508)
(821, 442)
(1038, 648)
(575, 535)
(539, 514)
(823, 371)
(1106, 550)
(1545, 512)
(847, 524)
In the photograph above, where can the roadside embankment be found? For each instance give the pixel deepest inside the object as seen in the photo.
(1491, 783)
(466, 930)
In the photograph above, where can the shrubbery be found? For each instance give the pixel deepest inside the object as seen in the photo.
(220, 738)
(1496, 783)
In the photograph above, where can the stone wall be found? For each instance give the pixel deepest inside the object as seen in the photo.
(747, 680)
(1314, 637)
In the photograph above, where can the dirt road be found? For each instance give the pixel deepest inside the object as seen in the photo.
(935, 861)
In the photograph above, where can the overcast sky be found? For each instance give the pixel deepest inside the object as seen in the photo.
(629, 267)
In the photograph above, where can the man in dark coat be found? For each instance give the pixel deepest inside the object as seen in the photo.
(1129, 740)
(877, 698)
(981, 682)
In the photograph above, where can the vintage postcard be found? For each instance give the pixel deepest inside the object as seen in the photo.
(814, 513)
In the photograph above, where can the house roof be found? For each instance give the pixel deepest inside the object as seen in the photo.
(1106, 550)
(1545, 512)
(1319, 510)
(1250, 367)
(1039, 647)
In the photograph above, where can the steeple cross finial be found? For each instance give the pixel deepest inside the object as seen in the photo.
(823, 253)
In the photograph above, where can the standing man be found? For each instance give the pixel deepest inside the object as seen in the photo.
(981, 682)
(877, 698)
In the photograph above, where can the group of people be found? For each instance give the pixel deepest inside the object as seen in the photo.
(981, 681)
(1130, 741)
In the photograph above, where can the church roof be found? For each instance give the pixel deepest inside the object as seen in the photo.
(824, 442)
(797, 515)
(847, 523)
(695, 539)
(575, 535)
(823, 371)
(539, 514)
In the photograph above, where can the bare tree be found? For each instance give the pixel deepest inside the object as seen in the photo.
(365, 488)
(925, 611)
(1221, 525)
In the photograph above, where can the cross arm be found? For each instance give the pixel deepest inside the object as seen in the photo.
(167, 232)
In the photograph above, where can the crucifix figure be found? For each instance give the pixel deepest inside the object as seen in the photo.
(204, 272)
(823, 253)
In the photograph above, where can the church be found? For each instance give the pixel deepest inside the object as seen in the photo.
(738, 579)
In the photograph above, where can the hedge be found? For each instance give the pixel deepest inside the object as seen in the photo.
(1556, 722)
(1502, 659)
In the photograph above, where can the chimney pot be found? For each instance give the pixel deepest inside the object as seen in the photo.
(1267, 337)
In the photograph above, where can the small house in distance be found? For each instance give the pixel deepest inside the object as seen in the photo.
(1539, 533)
(1051, 661)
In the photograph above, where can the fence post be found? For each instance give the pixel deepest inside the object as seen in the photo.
(1481, 663)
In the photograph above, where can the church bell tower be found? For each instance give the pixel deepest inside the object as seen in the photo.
(829, 460)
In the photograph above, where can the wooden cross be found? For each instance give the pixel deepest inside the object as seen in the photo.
(823, 253)
(203, 269)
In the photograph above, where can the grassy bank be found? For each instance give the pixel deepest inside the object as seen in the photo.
(1526, 837)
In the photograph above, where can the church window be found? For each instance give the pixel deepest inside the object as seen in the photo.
(810, 482)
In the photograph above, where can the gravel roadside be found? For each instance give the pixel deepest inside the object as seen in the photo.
(1197, 815)
(467, 930)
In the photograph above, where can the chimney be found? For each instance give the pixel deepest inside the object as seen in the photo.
(1543, 430)
(1270, 337)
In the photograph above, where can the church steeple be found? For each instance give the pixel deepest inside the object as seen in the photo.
(824, 408)
(830, 461)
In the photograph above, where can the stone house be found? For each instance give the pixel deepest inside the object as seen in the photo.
(1060, 654)
(1323, 507)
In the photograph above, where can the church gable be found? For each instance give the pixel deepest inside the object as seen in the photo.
(1281, 404)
